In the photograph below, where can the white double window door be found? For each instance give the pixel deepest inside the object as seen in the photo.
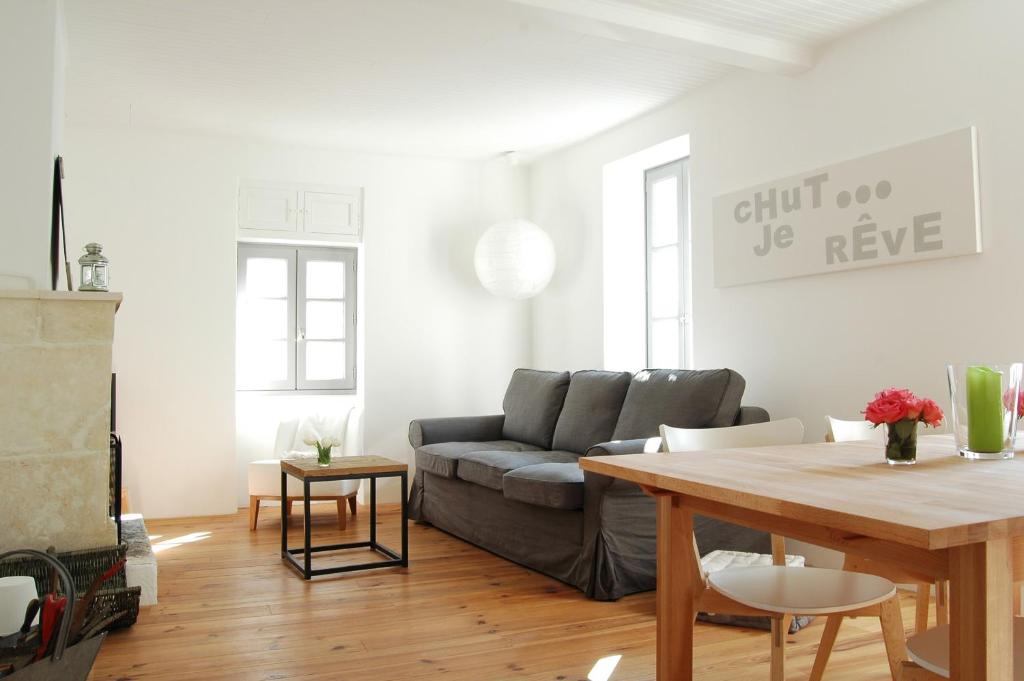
(668, 264)
(296, 318)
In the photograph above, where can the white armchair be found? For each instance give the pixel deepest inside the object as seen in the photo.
(265, 475)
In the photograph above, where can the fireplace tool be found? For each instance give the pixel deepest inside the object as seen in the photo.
(39, 654)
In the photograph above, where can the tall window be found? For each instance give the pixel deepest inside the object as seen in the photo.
(296, 318)
(668, 257)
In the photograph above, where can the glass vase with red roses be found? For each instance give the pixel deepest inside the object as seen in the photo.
(900, 410)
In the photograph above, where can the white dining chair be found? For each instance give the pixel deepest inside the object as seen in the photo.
(839, 430)
(842, 430)
(780, 591)
(265, 475)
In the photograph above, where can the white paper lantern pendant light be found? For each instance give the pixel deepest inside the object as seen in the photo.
(514, 259)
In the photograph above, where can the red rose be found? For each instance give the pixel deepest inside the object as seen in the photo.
(931, 413)
(896, 404)
(886, 409)
(896, 393)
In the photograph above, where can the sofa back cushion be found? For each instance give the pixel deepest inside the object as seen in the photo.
(680, 398)
(591, 409)
(532, 404)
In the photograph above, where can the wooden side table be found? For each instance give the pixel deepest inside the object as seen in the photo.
(344, 468)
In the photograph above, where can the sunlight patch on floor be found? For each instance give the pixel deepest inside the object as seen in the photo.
(603, 668)
(178, 541)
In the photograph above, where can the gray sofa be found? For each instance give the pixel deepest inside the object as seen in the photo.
(511, 484)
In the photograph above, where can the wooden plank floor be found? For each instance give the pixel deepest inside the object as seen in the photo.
(230, 610)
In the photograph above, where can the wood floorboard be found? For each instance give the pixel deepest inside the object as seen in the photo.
(230, 610)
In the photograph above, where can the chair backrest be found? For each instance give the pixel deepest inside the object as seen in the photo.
(783, 432)
(838, 430)
(285, 439)
(344, 425)
(353, 444)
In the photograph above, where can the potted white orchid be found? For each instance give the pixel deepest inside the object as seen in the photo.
(323, 449)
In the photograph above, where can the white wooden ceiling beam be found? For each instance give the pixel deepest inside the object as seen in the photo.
(619, 20)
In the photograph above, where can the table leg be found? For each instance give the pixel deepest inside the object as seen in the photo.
(980, 609)
(284, 520)
(405, 520)
(373, 512)
(307, 531)
(678, 577)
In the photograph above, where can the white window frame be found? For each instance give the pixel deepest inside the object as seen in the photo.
(297, 257)
(679, 169)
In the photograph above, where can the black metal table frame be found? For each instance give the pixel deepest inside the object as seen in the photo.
(306, 568)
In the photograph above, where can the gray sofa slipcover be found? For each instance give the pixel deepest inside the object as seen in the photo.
(511, 483)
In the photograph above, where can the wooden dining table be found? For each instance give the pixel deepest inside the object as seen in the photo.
(946, 517)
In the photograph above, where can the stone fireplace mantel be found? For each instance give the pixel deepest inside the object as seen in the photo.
(55, 365)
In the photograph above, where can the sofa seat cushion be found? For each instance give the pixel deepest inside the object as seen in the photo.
(680, 398)
(532, 403)
(442, 458)
(488, 468)
(552, 485)
(591, 409)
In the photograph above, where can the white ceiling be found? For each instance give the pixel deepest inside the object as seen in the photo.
(812, 22)
(465, 78)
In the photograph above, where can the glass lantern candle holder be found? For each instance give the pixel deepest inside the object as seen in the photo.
(985, 399)
(94, 269)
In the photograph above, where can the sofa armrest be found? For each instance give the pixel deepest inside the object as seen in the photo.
(639, 446)
(620, 526)
(596, 485)
(749, 415)
(456, 429)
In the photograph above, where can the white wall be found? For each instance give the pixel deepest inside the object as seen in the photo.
(163, 205)
(825, 343)
(31, 134)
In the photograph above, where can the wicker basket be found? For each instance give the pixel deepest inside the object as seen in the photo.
(85, 566)
(123, 599)
(67, 663)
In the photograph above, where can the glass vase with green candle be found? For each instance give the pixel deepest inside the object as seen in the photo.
(984, 399)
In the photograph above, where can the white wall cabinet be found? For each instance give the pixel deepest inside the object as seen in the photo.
(268, 208)
(276, 210)
(331, 212)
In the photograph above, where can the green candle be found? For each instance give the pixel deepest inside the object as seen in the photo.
(984, 410)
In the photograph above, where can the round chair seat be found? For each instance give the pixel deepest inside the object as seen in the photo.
(801, 590)
(930, 649)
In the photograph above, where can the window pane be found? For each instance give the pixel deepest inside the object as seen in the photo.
(664, 282)
(266, 278)
(262, 361)
(664, 212)
(325, 279)
(325, 360)
(665, 344)
(325, 319)
(263, 319)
